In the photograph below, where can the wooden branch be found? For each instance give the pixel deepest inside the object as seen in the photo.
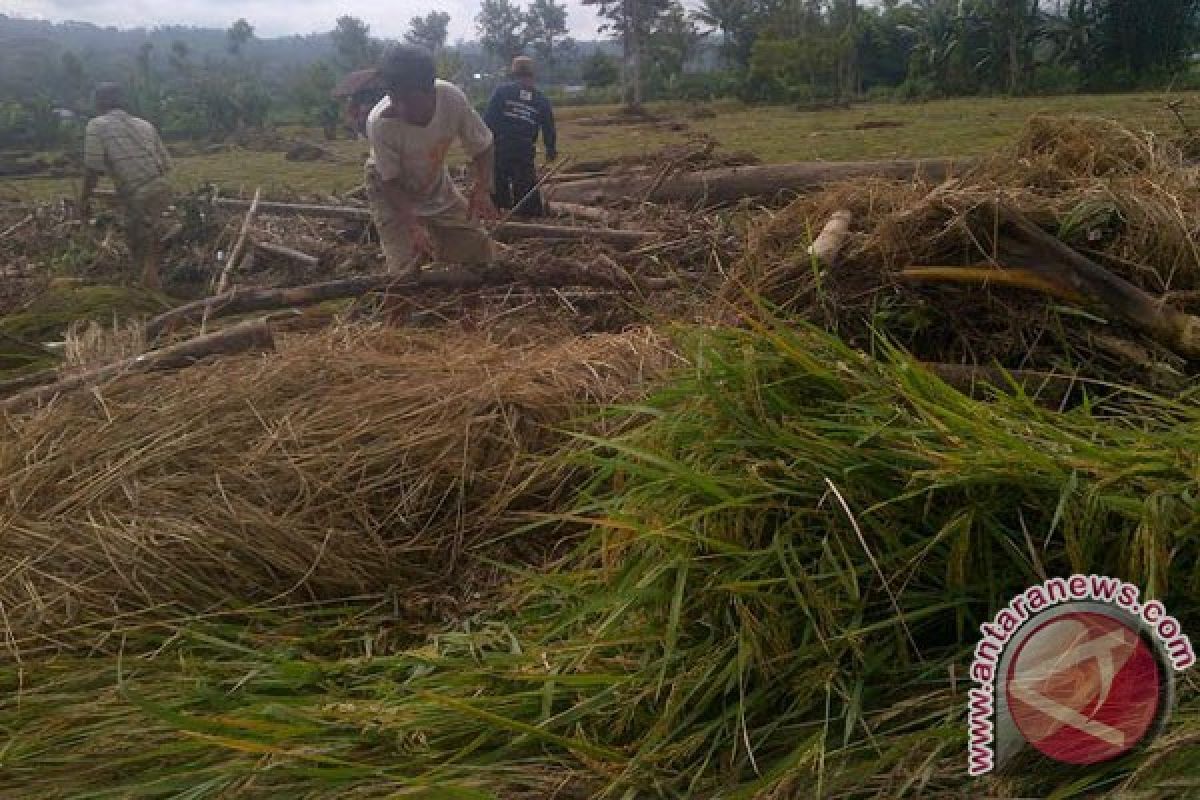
(507, 232)
(269, 208)
(827, 247)
(582, 175)
(9, 231)
(1060, 264)
(730, 184)
(286, 252)
(512, 231)
(1009, 277)
(243, 301)
(575, 210)
(547, 272)
(39, 378)
(252, 335)
(235, 255)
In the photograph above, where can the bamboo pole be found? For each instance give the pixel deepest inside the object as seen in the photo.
(235, 254)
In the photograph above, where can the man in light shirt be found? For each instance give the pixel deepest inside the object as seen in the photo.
(130, 152)
(420, 214)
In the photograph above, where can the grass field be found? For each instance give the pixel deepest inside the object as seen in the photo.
(775, 134)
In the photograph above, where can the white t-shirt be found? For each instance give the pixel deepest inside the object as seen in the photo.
(417, 155)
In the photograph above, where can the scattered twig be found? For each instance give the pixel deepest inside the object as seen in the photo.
(14, 228)
(235, 254)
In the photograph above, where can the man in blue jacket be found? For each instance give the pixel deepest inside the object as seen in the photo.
(517, 112)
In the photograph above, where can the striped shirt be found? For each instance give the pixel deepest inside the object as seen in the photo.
(128, 149)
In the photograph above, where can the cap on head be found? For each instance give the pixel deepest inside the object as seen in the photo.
(522, 67)
(406, 67)
(109, 96)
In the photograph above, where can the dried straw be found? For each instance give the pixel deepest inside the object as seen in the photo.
(1124, 198)
(355, 460)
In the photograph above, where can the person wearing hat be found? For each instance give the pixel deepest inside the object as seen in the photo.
(130, 152)
(517, 112)
(418, 211)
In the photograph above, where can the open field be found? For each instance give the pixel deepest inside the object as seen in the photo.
(715, 511)
(774, 133)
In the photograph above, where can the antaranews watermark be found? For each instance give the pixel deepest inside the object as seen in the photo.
(1078, 668)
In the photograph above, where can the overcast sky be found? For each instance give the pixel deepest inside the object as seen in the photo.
(273, 17)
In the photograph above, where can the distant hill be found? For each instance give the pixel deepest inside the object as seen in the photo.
(32, 54)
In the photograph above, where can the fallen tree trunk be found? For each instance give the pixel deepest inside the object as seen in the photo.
(577, 211)
(507, 232)
(580, 175)
(252, 335)
(1061, 265)
(270, 208)
(244, 301)
(512, 231)
(548, 273)
(730, 184)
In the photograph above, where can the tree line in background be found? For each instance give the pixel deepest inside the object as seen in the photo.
(215, 84)
(812, 50)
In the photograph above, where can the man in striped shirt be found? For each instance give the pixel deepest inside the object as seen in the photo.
(130, 152)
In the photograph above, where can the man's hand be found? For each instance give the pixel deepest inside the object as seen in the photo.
(481, 205)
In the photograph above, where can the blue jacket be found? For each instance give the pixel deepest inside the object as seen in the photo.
(516, 115)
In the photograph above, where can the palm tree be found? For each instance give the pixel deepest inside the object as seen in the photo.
(734, 20)
(1072, 32)
(937, 32)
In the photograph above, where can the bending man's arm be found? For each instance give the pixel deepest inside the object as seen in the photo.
(483, 179)
(479, 145)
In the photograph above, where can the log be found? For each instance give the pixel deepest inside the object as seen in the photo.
(286, 252)
(39, 378)
(582, 175)
(509, 231)
(730, 184)
(252, 335)
(548, 272)
(243, 301)
(274, 209)
(512, 231)
(235, 255)
(577, 211)
(827, 247)
(1059, 264)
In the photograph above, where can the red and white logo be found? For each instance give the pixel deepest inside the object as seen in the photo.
(1084, 687)
(1079, 668)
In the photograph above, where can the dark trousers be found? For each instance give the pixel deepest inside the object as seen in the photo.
(516, 175)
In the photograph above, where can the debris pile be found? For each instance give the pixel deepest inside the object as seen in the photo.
(999, 264)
